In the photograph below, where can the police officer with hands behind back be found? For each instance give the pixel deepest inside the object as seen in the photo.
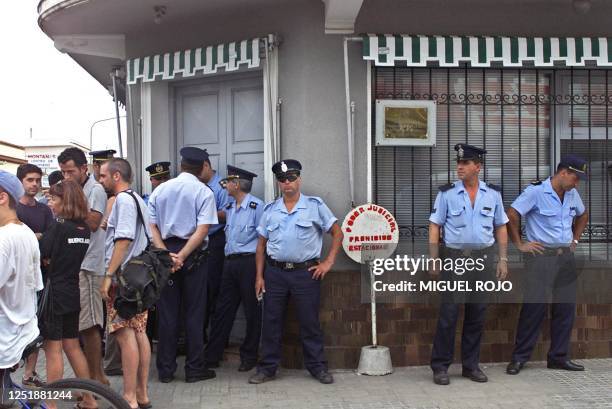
(472, 215)
(181, 211)
(291, 234)
(555, 219)
(242, 218)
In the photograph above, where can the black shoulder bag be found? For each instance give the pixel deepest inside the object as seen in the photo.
(143, 278)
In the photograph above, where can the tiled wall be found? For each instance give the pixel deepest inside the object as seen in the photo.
(408, 329)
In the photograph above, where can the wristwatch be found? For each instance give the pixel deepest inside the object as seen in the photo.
(109, 274)
(575, 241)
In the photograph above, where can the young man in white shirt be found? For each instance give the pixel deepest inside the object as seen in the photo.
(20, 279)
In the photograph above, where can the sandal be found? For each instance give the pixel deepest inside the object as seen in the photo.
(145, 405)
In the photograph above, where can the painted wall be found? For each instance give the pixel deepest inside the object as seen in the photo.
(311, 77)
(311, 86)
(554, 18)
(11, 155)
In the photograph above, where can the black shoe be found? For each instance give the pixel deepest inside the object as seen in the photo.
(212, 364)
(204, 375)
(246, 366)
(325, 377)
(514, 367)
(475, 375)
(166, 379)
(441, 378)
(260, 377)
(567, 365)
(113, 372)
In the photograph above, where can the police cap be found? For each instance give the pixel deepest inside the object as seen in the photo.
(101, 156)
(158, 169)
(287, 166)
(575, 164)
(469, 152)
(194, 156)
(237, 173)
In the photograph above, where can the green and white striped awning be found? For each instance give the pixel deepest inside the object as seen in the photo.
(450, 51)
(205, 60)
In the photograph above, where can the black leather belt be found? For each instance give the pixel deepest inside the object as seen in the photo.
(467, 252)
(289, 266)
(554, 251)
(238, 255)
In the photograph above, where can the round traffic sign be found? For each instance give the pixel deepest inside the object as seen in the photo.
(370, 232)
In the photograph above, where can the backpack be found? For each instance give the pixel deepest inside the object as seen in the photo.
(143, 278)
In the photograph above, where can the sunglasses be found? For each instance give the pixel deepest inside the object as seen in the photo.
(224, 182)
(284, 178)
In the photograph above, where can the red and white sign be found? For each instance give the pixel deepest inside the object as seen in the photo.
(371, 231)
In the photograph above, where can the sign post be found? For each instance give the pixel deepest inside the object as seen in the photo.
(370, 233)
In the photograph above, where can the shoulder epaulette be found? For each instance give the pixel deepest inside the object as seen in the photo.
(446, 187)
(536, 182)
(268, 205)
(494, 187)
(315, 199)
(228, 206)
(253, 205)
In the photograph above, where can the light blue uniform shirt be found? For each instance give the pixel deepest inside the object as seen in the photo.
(241, 225)
(297, 236)
(221, 199)
(467, 225)
(181, 204)
(549, 221)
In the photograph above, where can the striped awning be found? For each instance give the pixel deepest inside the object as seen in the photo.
(205, 60)
(450, 51)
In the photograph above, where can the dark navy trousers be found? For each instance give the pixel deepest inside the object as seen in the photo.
(237, 286)
(475, 308)
(216, 258)
(306, 294)
(186, 288)
(444, 340)
(549, 280)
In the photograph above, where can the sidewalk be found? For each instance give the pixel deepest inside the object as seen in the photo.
(409, 387)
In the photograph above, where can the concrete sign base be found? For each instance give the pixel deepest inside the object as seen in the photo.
(375, 361)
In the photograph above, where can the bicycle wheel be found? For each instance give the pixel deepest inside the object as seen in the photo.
(64, 394)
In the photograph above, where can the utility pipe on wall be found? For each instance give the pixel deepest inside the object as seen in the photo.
(114, 75)
(350, 119)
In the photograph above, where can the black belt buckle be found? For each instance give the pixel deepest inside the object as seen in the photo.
(288, 266)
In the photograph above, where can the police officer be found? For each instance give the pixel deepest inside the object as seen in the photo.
(98, 158)
(291, 234)
(216, 239)
(159, 172)
(242, 218)
(555, 219)
(471, 212)
(181, 211)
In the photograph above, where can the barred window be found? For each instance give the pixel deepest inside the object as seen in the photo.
(525, 119)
